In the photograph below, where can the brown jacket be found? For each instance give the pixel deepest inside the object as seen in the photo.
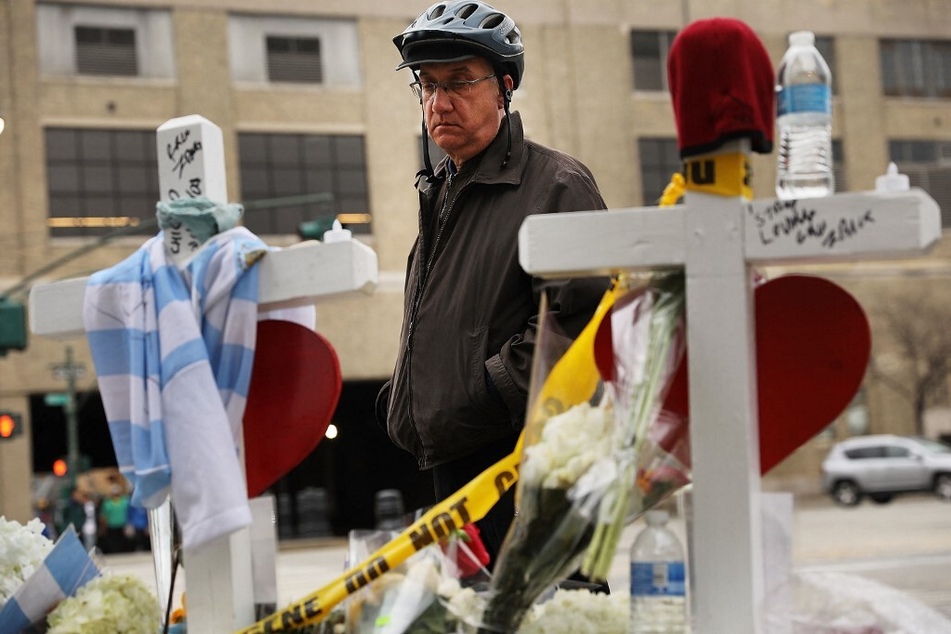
(470, 310)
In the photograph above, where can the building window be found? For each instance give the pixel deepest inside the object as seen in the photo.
(102, 51)
(268, 48)
(825, 44)
(838, 166)
(649, 51)
(660, 159)
(100, 181)
(275, 166)
(104, 41)
(294, 59)
(928, 165)
(916, 68)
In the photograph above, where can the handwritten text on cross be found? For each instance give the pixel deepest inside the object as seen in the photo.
(181, 154)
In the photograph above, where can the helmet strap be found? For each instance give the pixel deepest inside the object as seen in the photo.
(427, 170)
(507, 100)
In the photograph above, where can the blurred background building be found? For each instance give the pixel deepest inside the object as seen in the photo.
(309, 103)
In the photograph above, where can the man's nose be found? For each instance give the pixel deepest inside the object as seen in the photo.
(441, 99)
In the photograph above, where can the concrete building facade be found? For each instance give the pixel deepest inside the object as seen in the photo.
(321, 72)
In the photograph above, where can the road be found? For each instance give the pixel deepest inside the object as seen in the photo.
(905, 545)
(886, 566)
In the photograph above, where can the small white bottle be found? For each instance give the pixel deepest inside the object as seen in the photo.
(658, 579)
(804, 121)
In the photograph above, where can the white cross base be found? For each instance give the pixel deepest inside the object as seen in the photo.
(191, 164)
(717, 240)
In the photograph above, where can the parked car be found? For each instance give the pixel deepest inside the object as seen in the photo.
(882, 466)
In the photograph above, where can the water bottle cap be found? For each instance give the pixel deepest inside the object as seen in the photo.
(802, 38)
(338, 233)
(891, 181)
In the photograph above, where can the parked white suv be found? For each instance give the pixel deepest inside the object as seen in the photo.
(883, 466)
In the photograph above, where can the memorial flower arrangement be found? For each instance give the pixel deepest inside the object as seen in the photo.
(106, 605)
(637, 359)
(22, 550)
(574, 611)
(101, 604)
(424, 595)
(565, 469)
(597, 450)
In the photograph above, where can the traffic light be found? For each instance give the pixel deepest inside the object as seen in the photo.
(60, 468)
(315, 229)
(11, 425)
(12, 325)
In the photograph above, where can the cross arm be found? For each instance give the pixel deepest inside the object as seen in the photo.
(293, 276)
(843, 227)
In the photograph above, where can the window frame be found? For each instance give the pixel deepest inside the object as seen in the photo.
(912, 68)
(656, 80)
(277, 165)
(99, 66)
(294, 62)
(97, 174)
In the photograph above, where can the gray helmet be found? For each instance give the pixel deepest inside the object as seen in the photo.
(459, 29)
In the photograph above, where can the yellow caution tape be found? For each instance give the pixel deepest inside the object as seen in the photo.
(721, 174)
(574, 378)
(469, 504)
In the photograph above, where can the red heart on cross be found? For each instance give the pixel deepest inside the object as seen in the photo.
(295, 386)
(812, 347)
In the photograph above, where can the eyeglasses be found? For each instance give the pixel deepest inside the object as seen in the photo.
(426, 90)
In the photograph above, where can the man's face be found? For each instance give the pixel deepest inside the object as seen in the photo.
(463, 124)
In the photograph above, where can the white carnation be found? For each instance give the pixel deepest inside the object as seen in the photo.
(22, 550)
(570, 443)
(573, 611)
(110, 604)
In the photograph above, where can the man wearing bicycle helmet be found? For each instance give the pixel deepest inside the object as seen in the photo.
(458, 394)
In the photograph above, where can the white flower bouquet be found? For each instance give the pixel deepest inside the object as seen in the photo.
(58, 588)
(638, 349)
(575, 611)
(107, 605)
(424, 595)
(22, 550)
(565, 469)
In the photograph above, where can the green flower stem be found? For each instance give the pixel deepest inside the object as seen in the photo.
(665, 316)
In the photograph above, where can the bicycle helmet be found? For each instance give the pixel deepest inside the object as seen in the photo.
(455, 30)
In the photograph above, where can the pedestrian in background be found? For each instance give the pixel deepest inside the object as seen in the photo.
(113, 518)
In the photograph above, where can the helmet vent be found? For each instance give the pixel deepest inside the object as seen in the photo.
(466, 11)
(492, 21)
(437, 11)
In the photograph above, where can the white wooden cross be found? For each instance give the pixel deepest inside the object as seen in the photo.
(191, 163)
(717, 239)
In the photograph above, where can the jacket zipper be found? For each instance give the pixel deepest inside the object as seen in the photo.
(422, 278)
(423, 274)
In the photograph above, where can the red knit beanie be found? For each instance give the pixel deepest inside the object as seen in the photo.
(722, 84)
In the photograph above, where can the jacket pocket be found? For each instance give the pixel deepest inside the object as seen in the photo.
(482, 399)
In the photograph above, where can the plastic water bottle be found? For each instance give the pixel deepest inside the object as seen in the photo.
(804, 118)
(658, 580)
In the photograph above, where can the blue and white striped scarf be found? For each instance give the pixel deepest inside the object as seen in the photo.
(173, 352)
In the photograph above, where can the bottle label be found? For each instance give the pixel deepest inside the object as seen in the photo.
(658, 578)
(804, 98)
